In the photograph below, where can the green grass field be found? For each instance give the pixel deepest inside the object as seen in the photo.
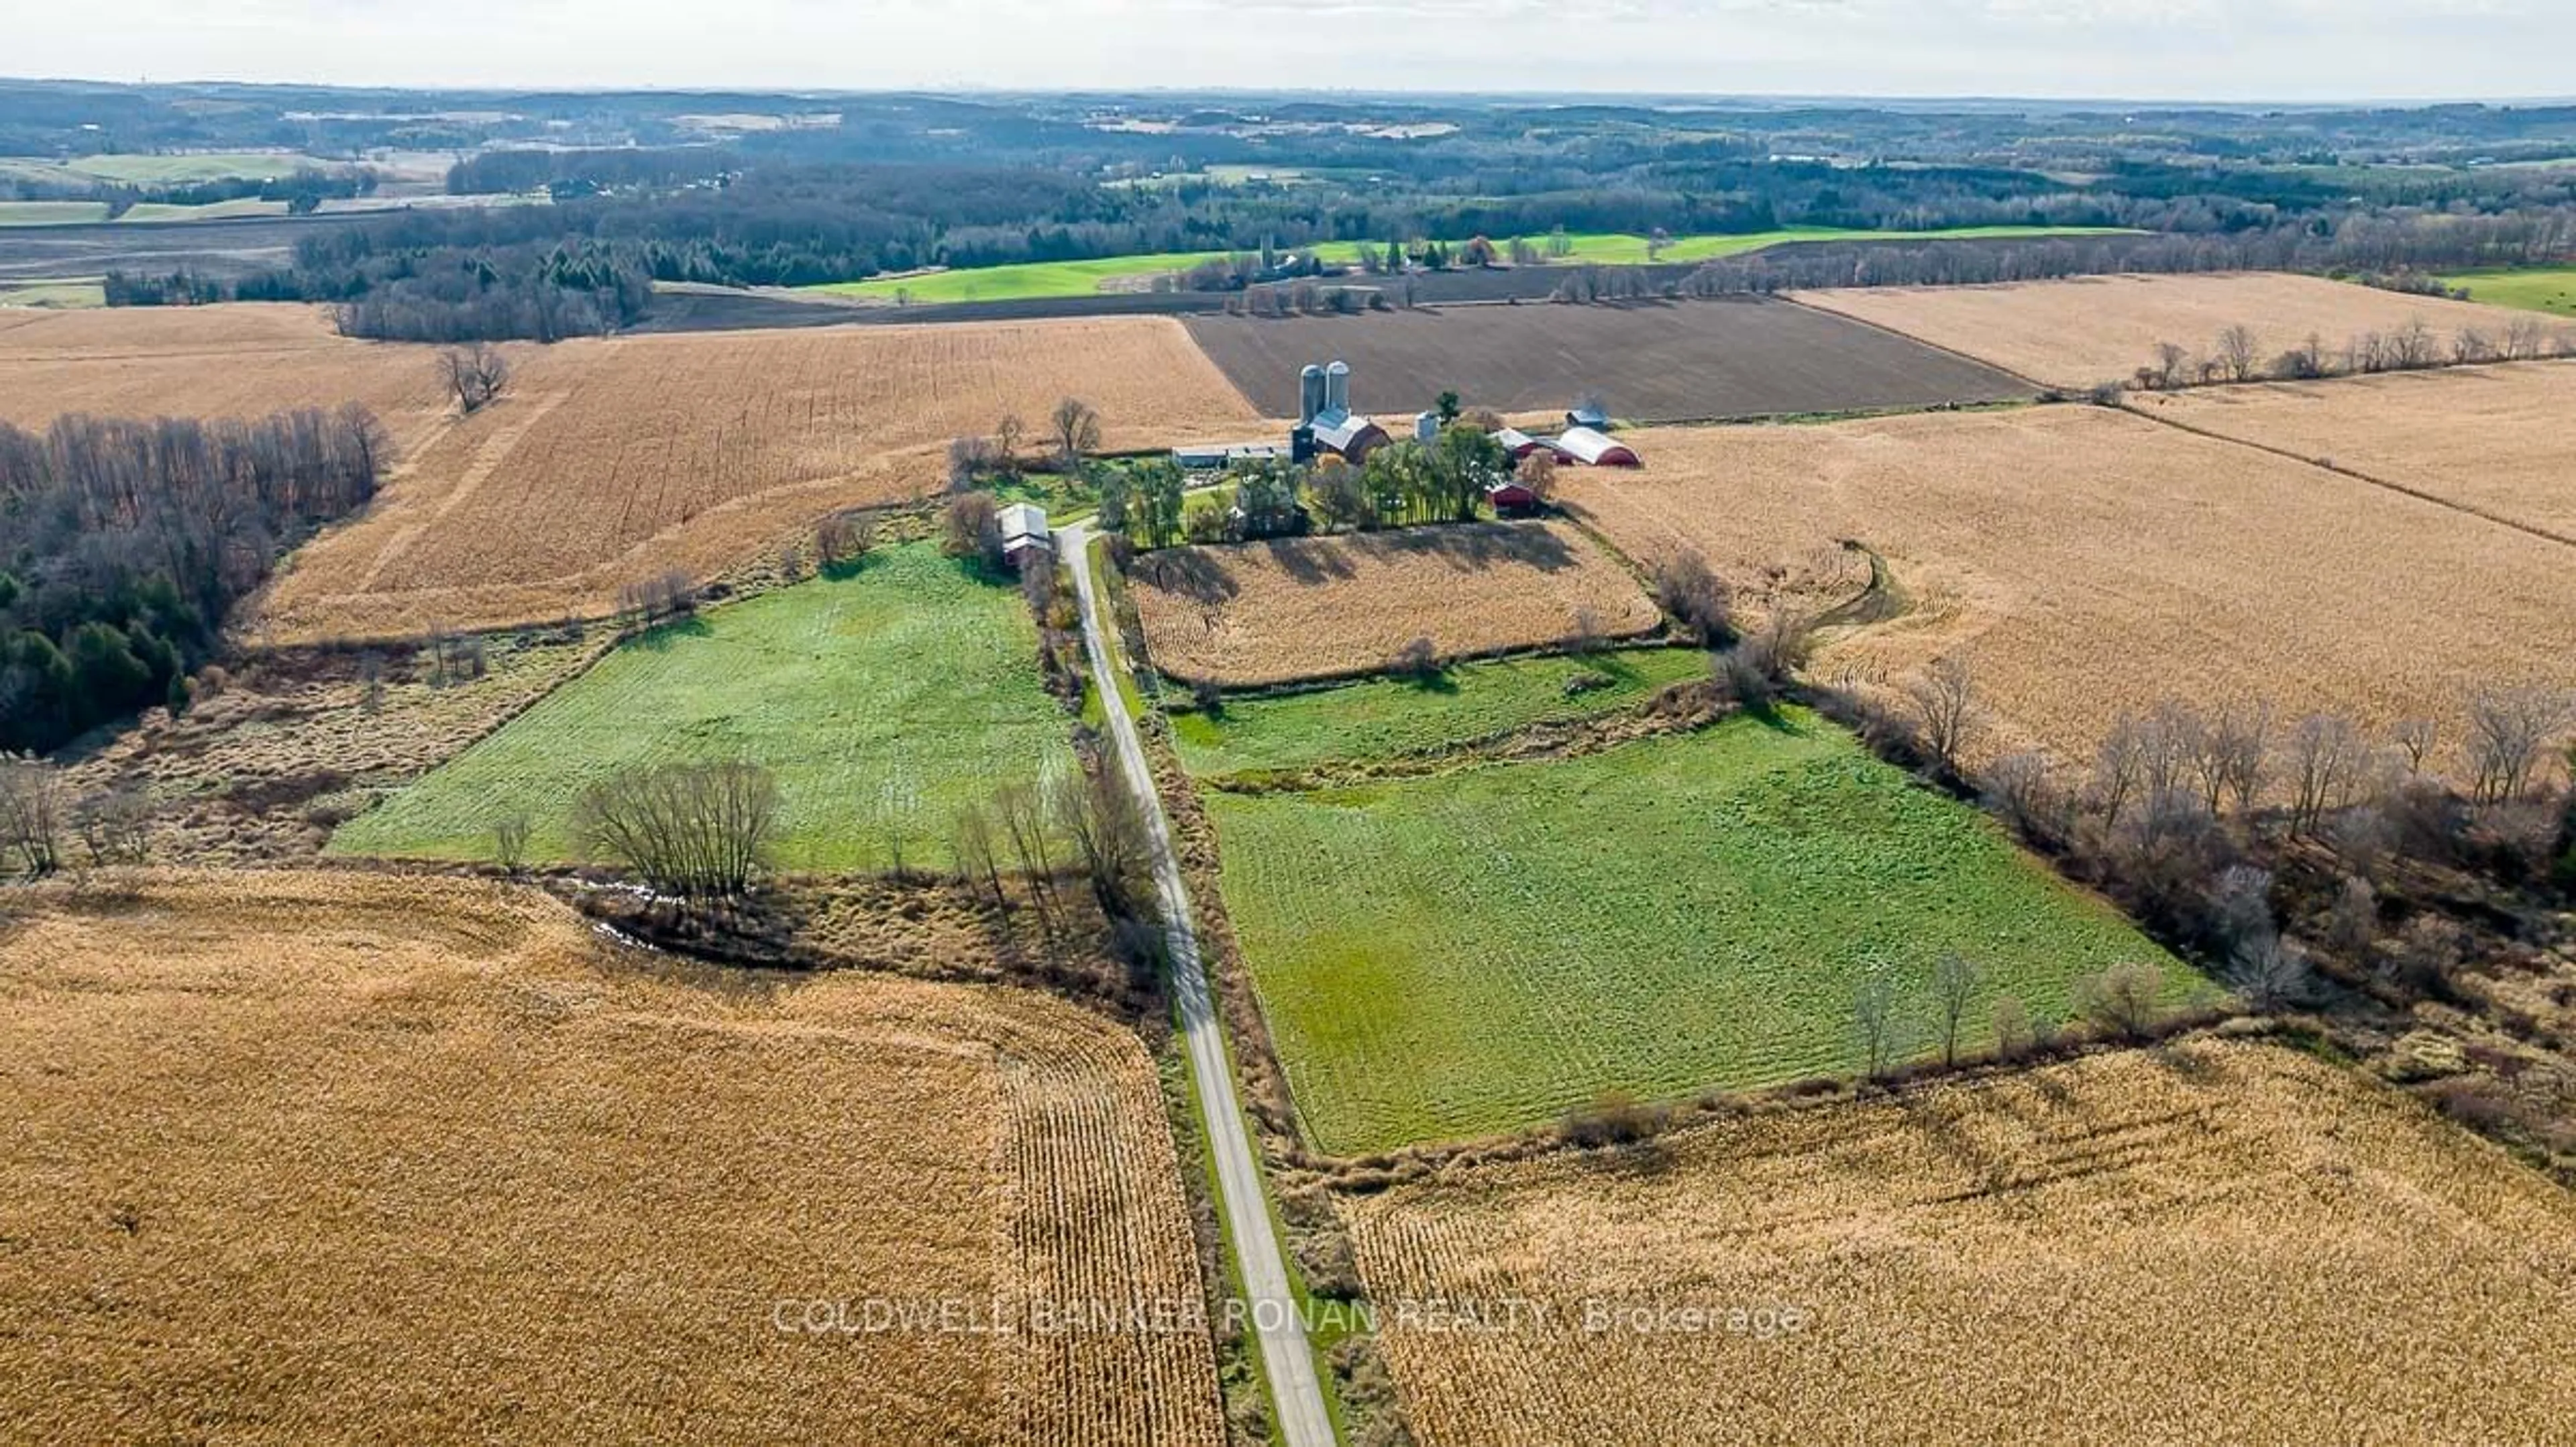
(51, 213)
(1482, 950)
(149, 212)
(1383, 718)
(1135, 273)
(210, 166)
(56, 292)
(2544, 289)
(884, 701)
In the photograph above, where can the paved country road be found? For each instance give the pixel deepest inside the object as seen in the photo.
(1295, 1394)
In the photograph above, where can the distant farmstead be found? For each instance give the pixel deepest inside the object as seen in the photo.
(1024, 533)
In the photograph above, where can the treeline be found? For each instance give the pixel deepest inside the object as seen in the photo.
(584, 173)
(128, 541)
(303, 191)
(2373, 245)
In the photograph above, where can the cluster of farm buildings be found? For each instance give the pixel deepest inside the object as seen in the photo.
(1327, 425)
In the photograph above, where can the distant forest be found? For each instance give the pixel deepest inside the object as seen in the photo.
(128, 541)
(852, 186)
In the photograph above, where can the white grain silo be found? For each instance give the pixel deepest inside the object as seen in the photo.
(1310, 393)
(1337, 387)
(1426, 428)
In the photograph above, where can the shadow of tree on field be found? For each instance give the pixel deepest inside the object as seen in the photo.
(1197, 574)
(662, 636)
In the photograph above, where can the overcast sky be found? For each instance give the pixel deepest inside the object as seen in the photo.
(2285, 50)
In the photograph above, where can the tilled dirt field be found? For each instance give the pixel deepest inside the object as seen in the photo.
(1650, 361)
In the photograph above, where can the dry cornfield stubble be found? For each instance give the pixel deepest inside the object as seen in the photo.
(245, 360)
(2090, 563)
(2491, 439)
(1259, 613)
(614, 460)
(2209, 1242)
(2089, 330)
(294, 1151)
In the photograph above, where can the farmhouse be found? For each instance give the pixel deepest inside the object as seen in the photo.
(1024, 532)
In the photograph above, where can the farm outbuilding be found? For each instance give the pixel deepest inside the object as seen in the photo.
(1325, 421)
(1593, 449)
(1518, 443)
(1024, 532)
(1508, 498)
(1351, 437)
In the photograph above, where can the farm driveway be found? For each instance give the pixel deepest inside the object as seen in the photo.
(1297, 1396)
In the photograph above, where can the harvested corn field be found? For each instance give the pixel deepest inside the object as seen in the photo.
(245, 360)
(1260, 613)
(292, 1151)
(2215, 1242)
(2491, 439)
(2088, 330)
(615, 460)
(2091, 562)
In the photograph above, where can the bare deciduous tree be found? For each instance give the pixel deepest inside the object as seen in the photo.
(2508, 730)
(2122, 999)
(475, 376)
(31, 813)
(2272, 973)
(1946, 709)
(1694, 595)
(2415, 738)
(2238, 352)
(2013, 1033)
(2021, 789)
(2119, 767)
(693, 829)
(1954, 984)
(510, 836)
(2173, 363)
(2327, 754)
(1008, 434)
(114, 825)
(1874, 1023)
(1075, 429)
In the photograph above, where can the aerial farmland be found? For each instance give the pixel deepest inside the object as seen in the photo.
(1285, 769)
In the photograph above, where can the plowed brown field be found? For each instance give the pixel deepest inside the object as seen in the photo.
(1259, 613)
(2212, 1243)
(2090, 562)
(2492, 439)
(609, 460)
(2086, 330)
(292, 1152)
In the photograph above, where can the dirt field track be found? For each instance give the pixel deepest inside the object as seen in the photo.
(2090, 562)
(1650, 361)
(2209, 1243)
(289, 1152)
(1259, 613)
(2093, 329)
(2492, 439)
(609, 460)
